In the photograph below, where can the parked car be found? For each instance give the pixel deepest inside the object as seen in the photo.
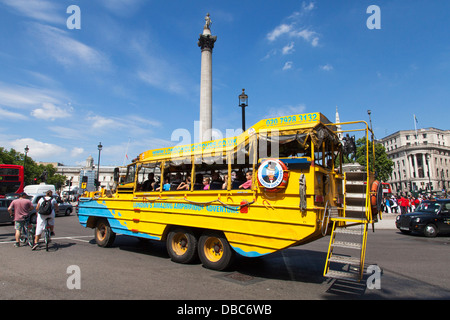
(63, 207)
(4, 214)
(430, 218)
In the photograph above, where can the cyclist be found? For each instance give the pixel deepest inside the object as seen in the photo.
(22, 207)
(40, 224)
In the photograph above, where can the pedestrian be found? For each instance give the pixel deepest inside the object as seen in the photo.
(403, 203)
(22, 207)
(387, 205)
(394, 205)
(40, 224)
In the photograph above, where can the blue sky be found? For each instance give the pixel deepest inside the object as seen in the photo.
(130, 76)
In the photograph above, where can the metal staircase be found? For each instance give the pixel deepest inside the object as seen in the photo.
(347, 248)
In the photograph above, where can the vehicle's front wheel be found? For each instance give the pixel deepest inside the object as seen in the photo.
(214, 251)
(104, 236)
(430, 230)
(181, 245)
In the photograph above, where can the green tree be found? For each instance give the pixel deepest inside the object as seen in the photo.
(32, 169)
(383, 166)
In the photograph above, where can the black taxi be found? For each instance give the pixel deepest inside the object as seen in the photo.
(430, 218)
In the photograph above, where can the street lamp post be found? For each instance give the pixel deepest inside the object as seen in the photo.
(243, 102)
(25, 159)
(429, 177)
(100, 147)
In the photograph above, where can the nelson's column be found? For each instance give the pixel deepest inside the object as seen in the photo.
(206, 43)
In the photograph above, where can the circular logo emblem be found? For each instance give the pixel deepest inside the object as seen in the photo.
(270, 174)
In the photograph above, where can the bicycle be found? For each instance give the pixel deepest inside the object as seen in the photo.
(28, 230)
(47, 234)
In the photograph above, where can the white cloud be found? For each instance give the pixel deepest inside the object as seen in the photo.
(293, 30)
(25, 97)
(76, 152)
(99, 122)
(42, 10)
(279, 31)
(309, 36)
(326, 67)
(6, 114)
(288, 49)
(308, 7)
(49, 111)
(38, 150)
(286, 110)
(67, 51)
(288, 65)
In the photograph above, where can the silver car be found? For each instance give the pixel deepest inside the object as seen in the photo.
(4, 214)
(63, 207)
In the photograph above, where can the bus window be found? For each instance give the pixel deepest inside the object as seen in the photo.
(131, 170)
(210, 172)
(177, 174)
(148, 176)
(284, 145)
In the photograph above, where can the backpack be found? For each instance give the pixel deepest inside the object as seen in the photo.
(46, 207)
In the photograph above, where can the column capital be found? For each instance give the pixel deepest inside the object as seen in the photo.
(206, 42)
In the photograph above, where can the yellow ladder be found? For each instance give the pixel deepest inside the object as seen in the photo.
(347, 247)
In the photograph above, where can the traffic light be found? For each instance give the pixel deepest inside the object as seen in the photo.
(84, 181)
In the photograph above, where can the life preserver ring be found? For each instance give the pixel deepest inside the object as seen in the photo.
(376, 196)
(273, 175)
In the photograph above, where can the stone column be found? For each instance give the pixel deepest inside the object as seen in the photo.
(416, 168)
(206, 43)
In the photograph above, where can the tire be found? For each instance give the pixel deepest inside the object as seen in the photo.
(104, 236)
(214, 251)
(181, 245)
(430, 230)
(68, 212)
(46, 238)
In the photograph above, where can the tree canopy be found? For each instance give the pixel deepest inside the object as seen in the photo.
(383, 166)
(32, 170)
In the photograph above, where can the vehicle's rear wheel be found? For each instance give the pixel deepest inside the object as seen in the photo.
(181, 245)
(214, 251)
(104, 236)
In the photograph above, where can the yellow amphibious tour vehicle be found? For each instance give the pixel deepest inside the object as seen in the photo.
(277, 185)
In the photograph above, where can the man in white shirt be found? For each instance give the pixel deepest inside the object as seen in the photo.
(40, 224)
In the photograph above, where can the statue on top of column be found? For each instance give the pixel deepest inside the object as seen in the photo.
(208, 22)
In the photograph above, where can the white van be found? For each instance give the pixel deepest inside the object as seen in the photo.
(38, 189)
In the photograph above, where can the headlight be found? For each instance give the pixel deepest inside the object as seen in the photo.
(397, 218)
(417, 219)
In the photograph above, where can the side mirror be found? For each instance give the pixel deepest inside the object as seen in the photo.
(116, 175)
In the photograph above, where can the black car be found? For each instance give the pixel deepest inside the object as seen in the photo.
(430, 218)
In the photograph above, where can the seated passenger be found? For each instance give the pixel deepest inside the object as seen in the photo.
(206, 184)
(239, 179)
(198, 185)
(216, 183)
(176, 181)
(149, 184)
(185, 185)
(248, 183)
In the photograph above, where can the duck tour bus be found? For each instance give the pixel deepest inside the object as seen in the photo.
(278, 184)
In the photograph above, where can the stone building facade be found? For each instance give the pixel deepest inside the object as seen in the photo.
(421, 160)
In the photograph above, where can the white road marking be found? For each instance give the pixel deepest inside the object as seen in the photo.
(76, 238)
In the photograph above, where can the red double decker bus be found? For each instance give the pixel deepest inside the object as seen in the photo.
(11, 179)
